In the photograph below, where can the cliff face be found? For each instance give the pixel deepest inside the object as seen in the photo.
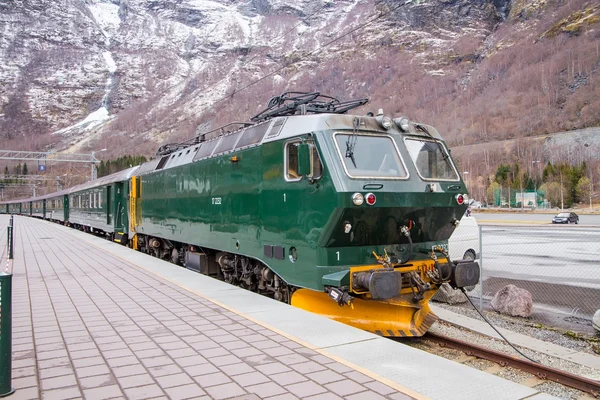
(112, 74)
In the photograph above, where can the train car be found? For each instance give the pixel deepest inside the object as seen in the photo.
(344, 215)
(26, 208)
(100, 206)
(56, 206)
(9, 206)
(38, 207)
(14, 207)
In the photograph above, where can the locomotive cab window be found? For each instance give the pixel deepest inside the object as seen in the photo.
(291, 161)
(431, 159)
(370, 156)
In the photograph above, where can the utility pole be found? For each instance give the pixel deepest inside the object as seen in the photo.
(93, 168)
(591, 187)
(535, 202)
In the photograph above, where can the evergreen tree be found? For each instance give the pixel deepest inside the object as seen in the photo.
(25, 171)
(119, 164)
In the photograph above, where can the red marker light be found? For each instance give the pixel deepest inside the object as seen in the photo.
(460, 198)
(370, 198)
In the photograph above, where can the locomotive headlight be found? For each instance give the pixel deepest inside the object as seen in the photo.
(371, 199)
(384, 121)
(403, 123)
(460, 199)
(357, 199)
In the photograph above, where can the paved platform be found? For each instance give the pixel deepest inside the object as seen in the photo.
(95, 320)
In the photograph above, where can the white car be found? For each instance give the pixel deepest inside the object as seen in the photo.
(464, 242)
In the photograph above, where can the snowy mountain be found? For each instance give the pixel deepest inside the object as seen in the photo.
(128, 75)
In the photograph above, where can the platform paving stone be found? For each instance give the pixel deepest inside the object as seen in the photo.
(88, 324)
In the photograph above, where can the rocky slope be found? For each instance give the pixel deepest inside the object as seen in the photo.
(127, 75)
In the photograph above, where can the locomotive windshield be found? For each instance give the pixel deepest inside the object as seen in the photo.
(369, 156)
(431, 159)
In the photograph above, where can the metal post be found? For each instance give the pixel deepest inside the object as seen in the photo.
(11, 237)
(480, 269)
(93, 168)
(5, 334)
(9, 241)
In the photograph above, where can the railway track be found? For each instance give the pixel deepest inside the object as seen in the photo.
(540, 371)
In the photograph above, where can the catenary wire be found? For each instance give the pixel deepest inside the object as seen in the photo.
(371, 19)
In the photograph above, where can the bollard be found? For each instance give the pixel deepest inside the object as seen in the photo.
(5, 334)
(9, 240)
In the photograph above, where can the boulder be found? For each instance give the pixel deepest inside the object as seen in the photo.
(596, 321)
(446, 294)
(514, 301)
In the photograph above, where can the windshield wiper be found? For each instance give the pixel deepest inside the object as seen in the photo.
(445, 155)
(423, 129)
(350, 150)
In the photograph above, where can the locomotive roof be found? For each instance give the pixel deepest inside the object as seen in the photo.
(279, 128)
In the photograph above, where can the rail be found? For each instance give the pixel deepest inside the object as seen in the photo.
(541, 371)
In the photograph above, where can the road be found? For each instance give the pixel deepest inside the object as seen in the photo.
(530, 218)
(559, 264)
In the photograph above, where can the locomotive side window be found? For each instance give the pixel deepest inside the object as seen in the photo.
(291, 161)
(370, 156)
(431, 159)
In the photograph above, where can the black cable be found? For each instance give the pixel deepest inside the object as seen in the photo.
(410, 251)
(494, 328)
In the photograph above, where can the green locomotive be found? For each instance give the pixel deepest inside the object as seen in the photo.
(343, 215)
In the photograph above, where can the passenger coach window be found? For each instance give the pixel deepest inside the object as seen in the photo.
(431, 159)
(291, 161)
(370, 156)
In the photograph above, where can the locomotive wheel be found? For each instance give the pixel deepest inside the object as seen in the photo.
(175, 256)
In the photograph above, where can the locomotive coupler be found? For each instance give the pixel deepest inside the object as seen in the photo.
(416, 282)
(342, 298)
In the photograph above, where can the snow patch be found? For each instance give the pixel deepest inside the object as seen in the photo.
(110, 63)
(107, 17)
(437, 72)
(92, 121)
